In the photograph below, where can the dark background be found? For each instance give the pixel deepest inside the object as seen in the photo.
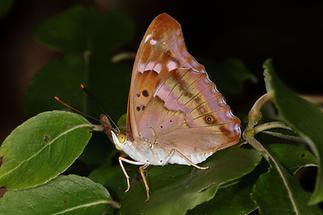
(290, 33)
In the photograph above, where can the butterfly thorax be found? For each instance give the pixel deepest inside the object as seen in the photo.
(143, 152)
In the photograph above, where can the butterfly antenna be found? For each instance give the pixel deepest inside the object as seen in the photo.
(91, 97)
(59, 100)
(114, 124)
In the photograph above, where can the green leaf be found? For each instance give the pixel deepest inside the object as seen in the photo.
(42, 148)
(63, 77)
(305, 118)
(88, 39)
(70, 194)
(233, 200)
(176, 189)
(58, 78)
(230, 75)
(98, 151)
(292, 157)
(64, 31)
(272, 197)
(5, 6)
(79, 29)
(122, 122)
(111, 177)
(110, 31)
(109, 82)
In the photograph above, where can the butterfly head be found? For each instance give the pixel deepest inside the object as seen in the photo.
(119, 139)
(113, 132)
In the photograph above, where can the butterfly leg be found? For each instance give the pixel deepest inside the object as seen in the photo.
(122, 159)
(189, 161)
(143, 176)
(169, 156)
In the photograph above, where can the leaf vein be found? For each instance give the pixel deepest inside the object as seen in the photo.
(99, 202)
(44, 147)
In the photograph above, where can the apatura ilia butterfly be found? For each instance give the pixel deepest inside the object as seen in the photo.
(175, 113)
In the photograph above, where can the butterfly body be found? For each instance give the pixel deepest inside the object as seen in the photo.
(175, 113)
(148, 153)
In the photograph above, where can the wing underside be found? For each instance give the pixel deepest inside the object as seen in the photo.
(172, 102)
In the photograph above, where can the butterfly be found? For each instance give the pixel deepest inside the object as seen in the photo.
(175, 113)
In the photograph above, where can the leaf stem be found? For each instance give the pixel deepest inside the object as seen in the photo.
(284, 136)
(249, 135)
(270, 125)
(123, 56)
(97, 128)
(254, 116)
(272, 161)
(255, 112)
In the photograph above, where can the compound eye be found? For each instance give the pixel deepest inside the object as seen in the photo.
(122, 138)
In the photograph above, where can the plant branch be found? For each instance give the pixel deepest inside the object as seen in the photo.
(259, 147)
(255, 112)
(270, 125)
(249, 135)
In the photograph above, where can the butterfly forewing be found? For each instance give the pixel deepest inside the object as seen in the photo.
(172, 103)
